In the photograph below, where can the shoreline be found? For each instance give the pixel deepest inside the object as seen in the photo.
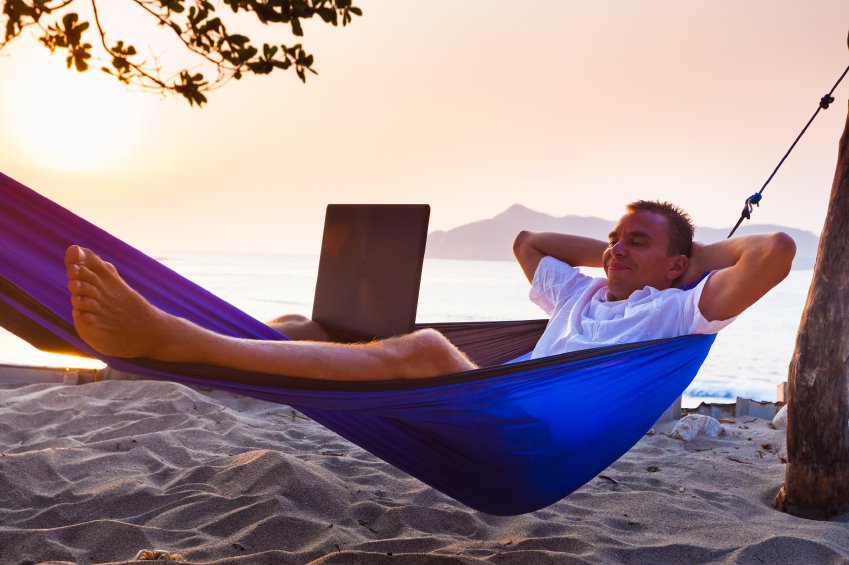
(22, 374)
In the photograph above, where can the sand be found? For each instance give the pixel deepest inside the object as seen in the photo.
(94, 473)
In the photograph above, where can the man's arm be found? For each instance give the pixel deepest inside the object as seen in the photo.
(748, 267)
(577, 251)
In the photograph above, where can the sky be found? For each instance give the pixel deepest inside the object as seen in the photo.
(565, 106)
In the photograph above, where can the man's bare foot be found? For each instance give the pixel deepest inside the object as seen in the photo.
(110, 316)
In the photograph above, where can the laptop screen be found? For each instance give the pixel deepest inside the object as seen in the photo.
(370, 269)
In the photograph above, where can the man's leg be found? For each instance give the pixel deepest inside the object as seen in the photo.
(117, 321)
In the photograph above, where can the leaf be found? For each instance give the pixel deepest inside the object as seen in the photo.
(238, 40)
(189, 88)
(69, 20)
(296, 27)
(329, 15)
(121, 65)
(80, 55)
(174, 5)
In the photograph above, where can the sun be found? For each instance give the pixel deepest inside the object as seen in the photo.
(62, 119)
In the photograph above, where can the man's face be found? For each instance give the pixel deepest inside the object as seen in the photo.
(638, 255)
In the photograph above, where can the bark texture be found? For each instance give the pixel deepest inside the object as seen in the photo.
(816, 484)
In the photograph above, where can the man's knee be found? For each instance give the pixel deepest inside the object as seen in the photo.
(431, 342)
(297, 327)
(428, 353)
(289, 319)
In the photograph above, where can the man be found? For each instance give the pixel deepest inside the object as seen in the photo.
(649, 255)
(646, 254)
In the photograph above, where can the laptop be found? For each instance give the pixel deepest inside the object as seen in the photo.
(370, 269)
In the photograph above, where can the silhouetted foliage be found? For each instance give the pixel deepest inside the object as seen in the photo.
(197, 25)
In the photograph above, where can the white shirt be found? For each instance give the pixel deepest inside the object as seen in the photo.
(582, 317)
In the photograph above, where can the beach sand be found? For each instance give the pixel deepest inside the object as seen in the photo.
(94, 473)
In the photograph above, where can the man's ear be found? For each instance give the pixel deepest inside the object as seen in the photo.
(679, 267)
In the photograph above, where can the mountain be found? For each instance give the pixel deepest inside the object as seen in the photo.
(492, 239)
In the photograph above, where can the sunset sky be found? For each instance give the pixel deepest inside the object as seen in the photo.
(567, 107)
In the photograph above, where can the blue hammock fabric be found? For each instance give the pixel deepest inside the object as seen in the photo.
(504, 440)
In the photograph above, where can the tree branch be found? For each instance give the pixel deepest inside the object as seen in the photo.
(137, 68)
(200, 30)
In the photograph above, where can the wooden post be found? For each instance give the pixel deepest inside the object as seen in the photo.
(816, 483)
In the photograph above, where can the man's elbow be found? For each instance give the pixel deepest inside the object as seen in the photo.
(781, 249)
(520, 243)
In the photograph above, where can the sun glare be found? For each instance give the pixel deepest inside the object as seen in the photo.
(65, 120)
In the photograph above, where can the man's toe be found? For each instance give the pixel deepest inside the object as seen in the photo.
(84, 303)
(81, 287)
(72, 254)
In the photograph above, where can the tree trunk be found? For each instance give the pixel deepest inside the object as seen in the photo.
(816, 484)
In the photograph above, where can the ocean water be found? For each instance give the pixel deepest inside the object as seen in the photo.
(749, 358)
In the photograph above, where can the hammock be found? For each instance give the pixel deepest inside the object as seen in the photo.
(503, 439)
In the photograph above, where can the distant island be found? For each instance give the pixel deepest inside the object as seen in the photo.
(492, 239)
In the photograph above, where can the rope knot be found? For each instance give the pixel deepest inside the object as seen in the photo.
(825, 101)
(753, 200)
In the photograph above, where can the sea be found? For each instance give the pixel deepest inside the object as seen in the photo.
(749, 359)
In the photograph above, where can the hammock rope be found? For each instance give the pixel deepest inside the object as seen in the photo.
(754, 200)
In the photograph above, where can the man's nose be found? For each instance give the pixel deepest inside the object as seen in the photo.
(618, 249)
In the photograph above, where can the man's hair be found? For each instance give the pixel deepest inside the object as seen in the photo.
(679, 222)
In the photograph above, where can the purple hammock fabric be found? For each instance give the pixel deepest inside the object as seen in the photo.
(503, 439)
